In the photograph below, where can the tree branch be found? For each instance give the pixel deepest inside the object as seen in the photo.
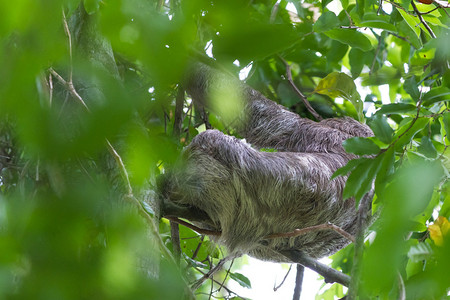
(211, 272)
(298, 92)
(329, 274)
(298, 282)
(425, 24)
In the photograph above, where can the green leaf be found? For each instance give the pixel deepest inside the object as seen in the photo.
(420, 252)
(436, 94)
(91, 6)
(427, 148)
(348, 167)
(327, 21)
(356, 59)
(360, 7)
(195, 263)
(407, 132)
(338, 84)
(446, 121)
(410, 86)
(387, 161)
(360, 180)
(396, 108)
(381, 128)
(350, 37)
(445, 208)
(411, 21)
(241, 279)
(410, 35)
(360, 146)
(337, 52)
(377, 21)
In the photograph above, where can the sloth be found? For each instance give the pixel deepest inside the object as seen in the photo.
(229, 185)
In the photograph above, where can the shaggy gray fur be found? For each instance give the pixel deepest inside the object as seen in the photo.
(248, 194)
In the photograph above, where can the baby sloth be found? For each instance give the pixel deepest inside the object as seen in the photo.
(248, 195)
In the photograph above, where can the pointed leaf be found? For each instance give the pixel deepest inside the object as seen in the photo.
(407, 132)
(338, 84)
(396, 108)
(360, 180)
(381, 129)
(436, 94)
(410, 86)
(348, 167)
(241, 279)
(356, 59)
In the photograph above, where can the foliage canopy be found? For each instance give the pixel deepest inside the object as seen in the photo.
(88, 118)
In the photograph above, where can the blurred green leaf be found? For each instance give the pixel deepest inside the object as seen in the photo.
(446, 122)
(404, 197)
(436, 95)
(411, 88)
(357, 59)
(407, 132)
(374, 20)
(350, 37)
(360, 146)
(396, 108)
(326, 21)
(91, 6)
(420, 252)
(427, 148)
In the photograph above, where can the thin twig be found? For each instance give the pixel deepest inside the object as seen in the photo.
(70, 87)
(380, 6)
(299, 93)
(400, 37)
(226, 276)
(194, 255)
(275, 288)
(69, 38)
(425, 24)
(50, 87)
(211, 272)
(326, 226)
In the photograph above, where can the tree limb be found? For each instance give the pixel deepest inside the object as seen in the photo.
(298, 282)
(329, 274)
(425, 24)
(298, 92)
